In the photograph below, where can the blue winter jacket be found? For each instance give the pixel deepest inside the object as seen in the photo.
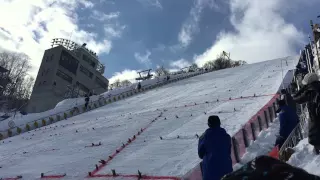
(215, 149)
(288, 121)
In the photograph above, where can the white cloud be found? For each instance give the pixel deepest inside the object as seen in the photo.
(90, 25)
(101, 16)
(260, 33)
(182, 63)
(86, 4)
(190, 26)
(126, 74)
(143, 59)
(113, 30)
(154, 3)
(185, 35)
(29, 26)
(107, 2)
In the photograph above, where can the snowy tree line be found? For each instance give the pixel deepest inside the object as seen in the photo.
(117, 83)
(221, 62)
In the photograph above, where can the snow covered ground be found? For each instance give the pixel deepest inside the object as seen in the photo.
(67, 104)
(305, 158)
(262, 145)
(176, 112)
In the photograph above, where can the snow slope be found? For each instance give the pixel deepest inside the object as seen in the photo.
(67, 104)
(177, 109)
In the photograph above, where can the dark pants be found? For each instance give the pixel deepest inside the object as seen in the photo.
(317, 149)
(86, 104)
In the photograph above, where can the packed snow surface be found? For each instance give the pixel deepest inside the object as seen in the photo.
(67, 104)
(305, 158)
(262, 145)
(60, 148)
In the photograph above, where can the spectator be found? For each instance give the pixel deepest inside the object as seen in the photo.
(288, 121)
(87, 100)
(310, 94)
(316, 31)
(139, 86)
(286, 96)
(215, 149)
(265, 168)
(294, 88)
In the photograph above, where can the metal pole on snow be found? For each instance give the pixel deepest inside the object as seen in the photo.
(307, 58)
(315, 63)
(308, 61)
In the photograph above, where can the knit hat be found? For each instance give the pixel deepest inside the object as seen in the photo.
(214, 121)
(283, 91)
(310, 78)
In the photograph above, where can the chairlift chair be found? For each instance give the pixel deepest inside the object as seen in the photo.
(142, 78)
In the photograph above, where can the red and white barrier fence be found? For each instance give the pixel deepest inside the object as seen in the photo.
(242, 138)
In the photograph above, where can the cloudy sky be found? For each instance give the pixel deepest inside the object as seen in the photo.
(131, 35)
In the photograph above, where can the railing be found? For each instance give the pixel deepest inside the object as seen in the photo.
(297, 134)
(80, 109)
(249, 132)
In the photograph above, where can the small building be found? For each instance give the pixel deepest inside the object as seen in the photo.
(67, 70)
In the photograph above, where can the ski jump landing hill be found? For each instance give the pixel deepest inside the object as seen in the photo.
(153, 135)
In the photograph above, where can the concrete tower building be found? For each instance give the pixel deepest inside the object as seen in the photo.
(67, 70)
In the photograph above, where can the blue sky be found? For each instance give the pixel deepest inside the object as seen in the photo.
(132, 35)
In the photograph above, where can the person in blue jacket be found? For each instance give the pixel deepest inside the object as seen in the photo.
(288, 121)
(215, 149)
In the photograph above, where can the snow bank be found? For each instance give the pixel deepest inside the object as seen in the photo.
(262, 145)
(305, 158)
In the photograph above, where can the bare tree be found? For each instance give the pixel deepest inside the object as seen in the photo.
(125, 83)
(209, 65)
(20, 85)
(193, 67)
(222, 63)
(116, 83)
(25, 89)
(161, 71)
(18, 65)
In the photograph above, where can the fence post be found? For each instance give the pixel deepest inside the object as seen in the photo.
(245, 137)
(275, 109)
(260, 123)
(236, 149)
(271, 113)
(277, 100)
(266, 117)
(253, 129)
